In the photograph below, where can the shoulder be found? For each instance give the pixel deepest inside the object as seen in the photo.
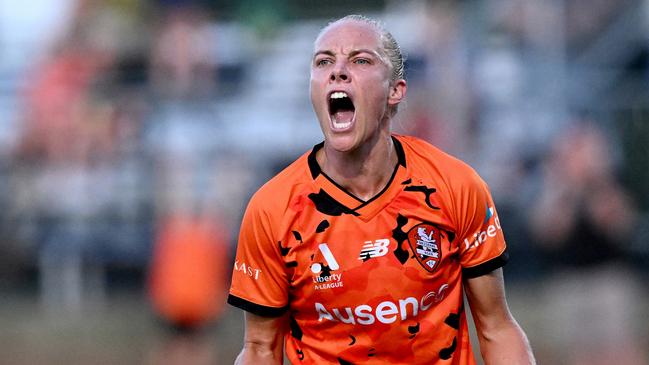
(274, 196)
(426, 160)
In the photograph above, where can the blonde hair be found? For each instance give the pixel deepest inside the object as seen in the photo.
(389, 44)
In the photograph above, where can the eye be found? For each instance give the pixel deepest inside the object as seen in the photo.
(322, 62)
(362, 61)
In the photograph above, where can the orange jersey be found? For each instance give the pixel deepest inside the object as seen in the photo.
(369, 282)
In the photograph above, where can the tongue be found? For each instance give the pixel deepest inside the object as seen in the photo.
(343, 116)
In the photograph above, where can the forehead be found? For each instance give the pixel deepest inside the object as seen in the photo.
(348, 35)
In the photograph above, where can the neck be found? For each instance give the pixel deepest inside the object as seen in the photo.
(363, 172)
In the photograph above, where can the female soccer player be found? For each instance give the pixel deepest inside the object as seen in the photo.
(360, 251)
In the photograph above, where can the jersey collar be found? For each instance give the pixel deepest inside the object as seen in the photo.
(335, 194)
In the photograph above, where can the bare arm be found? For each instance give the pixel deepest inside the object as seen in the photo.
(263, 341)
(502, 341)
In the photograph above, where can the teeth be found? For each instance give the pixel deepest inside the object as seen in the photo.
(342, 125)
(338, 95)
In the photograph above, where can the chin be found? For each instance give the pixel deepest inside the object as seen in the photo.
(341, 142)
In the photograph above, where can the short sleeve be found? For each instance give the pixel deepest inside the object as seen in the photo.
(481, 240)
(259, 281)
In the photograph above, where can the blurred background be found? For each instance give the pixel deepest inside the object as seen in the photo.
(132, 134)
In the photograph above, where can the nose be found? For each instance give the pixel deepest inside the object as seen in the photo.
(339, 73)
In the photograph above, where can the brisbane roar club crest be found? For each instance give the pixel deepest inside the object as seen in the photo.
(425, 242)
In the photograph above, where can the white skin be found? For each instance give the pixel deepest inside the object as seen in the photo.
(349, 57)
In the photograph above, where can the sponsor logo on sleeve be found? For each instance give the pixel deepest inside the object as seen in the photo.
(245, 269)
(489, 230)
(488, 214)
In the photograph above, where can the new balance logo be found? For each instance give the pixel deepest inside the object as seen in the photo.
(374, 249)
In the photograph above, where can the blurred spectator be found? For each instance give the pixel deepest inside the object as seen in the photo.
(183, 59)
(57, 98)
(188, 275)
(582, 219)
(440, 101)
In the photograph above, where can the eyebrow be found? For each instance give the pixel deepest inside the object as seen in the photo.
(351, 54)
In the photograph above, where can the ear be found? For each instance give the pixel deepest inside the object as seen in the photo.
(397, 92)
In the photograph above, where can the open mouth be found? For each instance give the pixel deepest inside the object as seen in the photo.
(341, 110)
